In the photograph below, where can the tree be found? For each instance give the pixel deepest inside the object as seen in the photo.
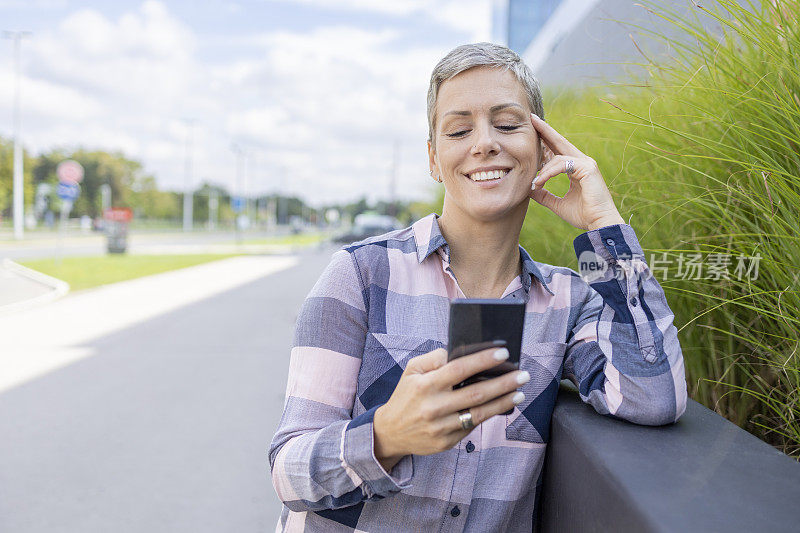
(201, 197)
(7, 177)
(100, 168)
(148, 202)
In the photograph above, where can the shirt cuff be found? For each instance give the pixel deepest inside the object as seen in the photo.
(612, 243)
(359, 454)
(619, 276)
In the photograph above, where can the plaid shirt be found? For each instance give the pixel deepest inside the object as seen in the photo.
(384, 300)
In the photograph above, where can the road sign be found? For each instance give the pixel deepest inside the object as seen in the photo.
(237, 204)
(118, 214)
(68, 191)
(69, 171)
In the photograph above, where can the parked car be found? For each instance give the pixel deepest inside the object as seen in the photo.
(368, 225)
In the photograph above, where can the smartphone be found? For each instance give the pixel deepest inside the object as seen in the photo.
(477, 324)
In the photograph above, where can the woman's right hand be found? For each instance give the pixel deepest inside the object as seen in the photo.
(421, 416)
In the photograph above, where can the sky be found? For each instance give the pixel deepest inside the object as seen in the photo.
(316, 92)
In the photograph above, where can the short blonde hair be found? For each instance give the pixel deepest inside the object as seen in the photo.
(467, 56)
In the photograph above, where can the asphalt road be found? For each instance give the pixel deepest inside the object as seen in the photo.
(166, 428)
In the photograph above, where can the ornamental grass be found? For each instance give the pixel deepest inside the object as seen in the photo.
(703, 160)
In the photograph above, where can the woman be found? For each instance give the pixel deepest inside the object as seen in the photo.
(373, 436)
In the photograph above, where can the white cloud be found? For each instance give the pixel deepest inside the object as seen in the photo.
(319, 110)
(109, 83)
(345, 95)
(58, 102)
(471, 16)
(141, 54)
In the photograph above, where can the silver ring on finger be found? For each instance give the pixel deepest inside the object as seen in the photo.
(570, 166)
(466, 420)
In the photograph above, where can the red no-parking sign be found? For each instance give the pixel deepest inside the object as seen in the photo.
(69, 171)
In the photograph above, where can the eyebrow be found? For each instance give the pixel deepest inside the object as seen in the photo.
(493, 109)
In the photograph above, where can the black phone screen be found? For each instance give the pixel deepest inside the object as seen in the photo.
(476, 324)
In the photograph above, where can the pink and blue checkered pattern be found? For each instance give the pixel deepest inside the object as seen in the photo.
(384, 300)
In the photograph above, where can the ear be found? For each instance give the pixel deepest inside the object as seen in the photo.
(547, 154)
(541, 155)
(431, 158)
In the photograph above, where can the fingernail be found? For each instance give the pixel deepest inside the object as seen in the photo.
(523, 377)
(501, 354)
(518, 398)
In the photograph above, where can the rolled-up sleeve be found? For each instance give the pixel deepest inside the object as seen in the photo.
(321, 457)
(623, 352)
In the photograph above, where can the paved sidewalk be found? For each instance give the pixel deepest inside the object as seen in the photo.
(38, 340)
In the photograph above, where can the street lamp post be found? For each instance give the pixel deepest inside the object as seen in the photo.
(19, 191)
(393, 179)
(188, 196)
(105, 196)
(240, 153)
(247, 186)
(282, 214)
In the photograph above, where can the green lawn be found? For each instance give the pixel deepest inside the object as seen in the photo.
(86, 272)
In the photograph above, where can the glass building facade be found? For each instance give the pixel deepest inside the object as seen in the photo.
(515, 23)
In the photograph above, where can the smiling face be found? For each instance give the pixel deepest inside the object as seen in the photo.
(486, 150)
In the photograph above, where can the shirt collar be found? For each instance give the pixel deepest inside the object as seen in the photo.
(529, 269)
(429, 238)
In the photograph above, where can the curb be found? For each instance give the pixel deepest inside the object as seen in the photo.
(59, 287)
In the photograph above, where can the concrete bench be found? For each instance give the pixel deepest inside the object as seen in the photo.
(701, 474)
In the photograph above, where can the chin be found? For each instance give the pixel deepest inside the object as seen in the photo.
(493, 211)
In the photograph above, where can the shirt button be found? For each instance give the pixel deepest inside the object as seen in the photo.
(470, 447)
(610, 242)
(634, 301)
(455, 511)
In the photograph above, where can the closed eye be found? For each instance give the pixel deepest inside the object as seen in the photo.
(463, 132)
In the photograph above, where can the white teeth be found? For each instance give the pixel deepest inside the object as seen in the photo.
(491, 175)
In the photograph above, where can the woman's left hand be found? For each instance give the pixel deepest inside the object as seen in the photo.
(588, 204)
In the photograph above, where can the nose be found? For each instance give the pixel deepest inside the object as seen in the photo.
(485, 142)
